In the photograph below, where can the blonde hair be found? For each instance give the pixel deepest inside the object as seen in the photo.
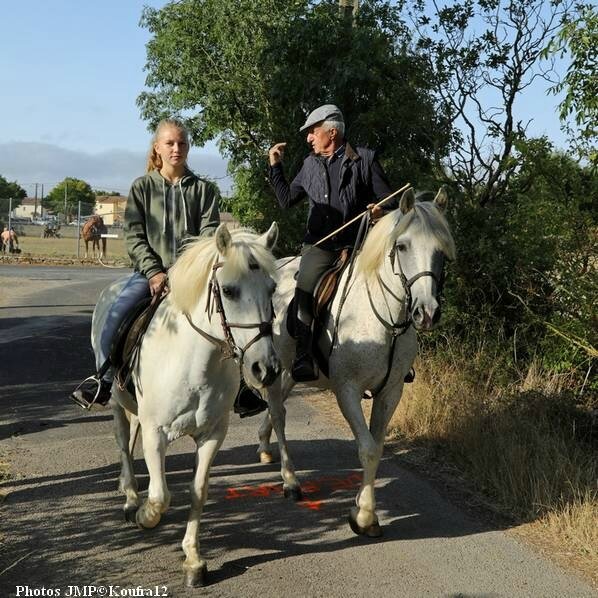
(154, 162)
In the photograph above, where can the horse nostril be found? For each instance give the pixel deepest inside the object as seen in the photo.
(418, 315)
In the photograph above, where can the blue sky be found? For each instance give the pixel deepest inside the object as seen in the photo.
(71, 71)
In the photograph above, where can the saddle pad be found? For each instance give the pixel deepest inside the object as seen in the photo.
(129, 336)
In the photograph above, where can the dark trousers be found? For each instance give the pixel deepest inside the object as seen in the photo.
(314, 262)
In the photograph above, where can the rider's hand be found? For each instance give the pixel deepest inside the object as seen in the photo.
(276, 153)
(157, 282)
(376, 211)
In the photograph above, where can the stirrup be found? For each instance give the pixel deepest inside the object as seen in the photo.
(78, 394)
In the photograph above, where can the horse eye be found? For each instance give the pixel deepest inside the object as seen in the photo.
(401, 247)
(227, 291)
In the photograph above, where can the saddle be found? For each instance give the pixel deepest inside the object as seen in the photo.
(323, 296)
(128, 337)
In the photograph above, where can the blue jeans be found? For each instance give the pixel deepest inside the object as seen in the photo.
(135, 289)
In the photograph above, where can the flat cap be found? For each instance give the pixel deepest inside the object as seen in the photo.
(325, 112)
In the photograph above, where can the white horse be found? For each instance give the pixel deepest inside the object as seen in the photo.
(394, 290)
(219, 306)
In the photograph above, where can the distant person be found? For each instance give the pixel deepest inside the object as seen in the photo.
(165, 207)
(5, 239)
(339, 182)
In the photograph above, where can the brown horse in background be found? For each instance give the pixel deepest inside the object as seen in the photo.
(92, 231)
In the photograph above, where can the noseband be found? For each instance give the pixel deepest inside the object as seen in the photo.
(228, 347)
(408, 283)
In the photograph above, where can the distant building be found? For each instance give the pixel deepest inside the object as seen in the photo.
(30, 208)
(111, 208)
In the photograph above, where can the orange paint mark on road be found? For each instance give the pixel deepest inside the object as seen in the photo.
(314, 505)
(332, 483)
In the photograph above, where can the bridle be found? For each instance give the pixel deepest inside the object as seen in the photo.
(228, 346)
(407, 283)
(397, 329)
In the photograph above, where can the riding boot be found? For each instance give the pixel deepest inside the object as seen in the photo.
(248, 401)
(303, 368)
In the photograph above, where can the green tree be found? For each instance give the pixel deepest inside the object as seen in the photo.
(578, 38)
(525, 278)
(246, 72)
(7, 191)
(65, 198)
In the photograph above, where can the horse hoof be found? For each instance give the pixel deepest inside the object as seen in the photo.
(293, 492)
(266, 457)
(372, 531)
(146, 524)
(130, 513)
(196, 578)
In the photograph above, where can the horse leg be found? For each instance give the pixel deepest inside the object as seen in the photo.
(195, 567)
(276, 395)
(86, 247)
(127, 483)
(264, 435)
(362, 519)
(265, 430)
(158, 496)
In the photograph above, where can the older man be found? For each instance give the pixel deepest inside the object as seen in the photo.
(339, 182)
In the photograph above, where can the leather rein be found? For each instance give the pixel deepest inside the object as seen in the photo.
(228, 346)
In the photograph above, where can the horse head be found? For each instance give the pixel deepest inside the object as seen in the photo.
(417, 241)
(233, 272)
(418, 255)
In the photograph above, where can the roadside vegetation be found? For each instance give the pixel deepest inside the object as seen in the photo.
(506, 391)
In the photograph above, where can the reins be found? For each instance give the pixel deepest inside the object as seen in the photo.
(228, 346)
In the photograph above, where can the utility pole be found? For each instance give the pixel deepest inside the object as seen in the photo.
(66, 184)
(35, 206)
(41, 202)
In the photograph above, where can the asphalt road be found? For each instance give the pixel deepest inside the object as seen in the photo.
(61, 523)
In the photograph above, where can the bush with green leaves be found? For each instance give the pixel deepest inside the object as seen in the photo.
(526, 274)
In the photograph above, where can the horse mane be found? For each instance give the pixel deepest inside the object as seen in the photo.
(188, 277)
(425, 215)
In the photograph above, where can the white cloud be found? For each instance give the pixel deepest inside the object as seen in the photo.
(113, 170)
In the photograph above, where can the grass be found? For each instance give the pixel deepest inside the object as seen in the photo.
(530, 452)
(32, 244)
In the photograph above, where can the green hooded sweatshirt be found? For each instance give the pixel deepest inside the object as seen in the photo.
(161, 216)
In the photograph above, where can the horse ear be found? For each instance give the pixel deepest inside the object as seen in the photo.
(270, 237)
(223, 239)
(441, 199)
(407, 201)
